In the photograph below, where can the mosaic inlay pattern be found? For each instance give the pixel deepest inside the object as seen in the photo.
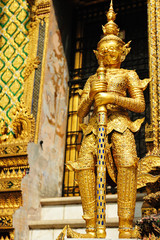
(14, 25)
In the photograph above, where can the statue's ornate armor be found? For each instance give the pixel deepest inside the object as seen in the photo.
(112, 91)
(121, 82)
(123, 169)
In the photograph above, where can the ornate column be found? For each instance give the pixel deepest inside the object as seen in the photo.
(45, 95)
(34, 74)
(16, 124)
(23, 43)
(152, 131)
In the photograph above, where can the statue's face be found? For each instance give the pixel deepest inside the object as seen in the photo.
(111, 52)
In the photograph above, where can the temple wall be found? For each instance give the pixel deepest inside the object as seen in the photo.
(46, 158)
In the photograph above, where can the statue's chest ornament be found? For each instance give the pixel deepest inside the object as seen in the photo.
(117, 82)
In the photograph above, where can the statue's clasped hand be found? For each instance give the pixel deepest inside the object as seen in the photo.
(97, 87)
(103, 98)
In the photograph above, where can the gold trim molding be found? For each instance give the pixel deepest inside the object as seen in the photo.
(151, 161)
(39, 14)
(154, 64)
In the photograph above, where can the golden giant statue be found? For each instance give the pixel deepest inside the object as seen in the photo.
(108, 141)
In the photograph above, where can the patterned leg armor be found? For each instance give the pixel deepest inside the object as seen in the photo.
(86, 180)
(126, 188)
(125, 157)
(85, 168)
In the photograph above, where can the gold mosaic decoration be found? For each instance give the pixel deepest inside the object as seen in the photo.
(19, 39)
(8, 204)
(14, 26)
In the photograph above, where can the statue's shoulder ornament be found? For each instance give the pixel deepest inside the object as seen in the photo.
(136, 82)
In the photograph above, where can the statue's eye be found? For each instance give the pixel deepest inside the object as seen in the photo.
(112, 48)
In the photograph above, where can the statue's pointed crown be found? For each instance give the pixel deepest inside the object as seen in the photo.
(111, 31)
(111, 27)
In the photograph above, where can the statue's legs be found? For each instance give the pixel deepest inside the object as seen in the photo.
(87, 182)
(85, 168)
(126, 187)
(125, 156)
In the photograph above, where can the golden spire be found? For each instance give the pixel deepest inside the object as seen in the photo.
(110, 27)
(111, 5)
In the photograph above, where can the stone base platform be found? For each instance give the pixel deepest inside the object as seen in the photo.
(58, 212)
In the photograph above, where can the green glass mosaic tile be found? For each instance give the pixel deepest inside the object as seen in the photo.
(14, 23)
